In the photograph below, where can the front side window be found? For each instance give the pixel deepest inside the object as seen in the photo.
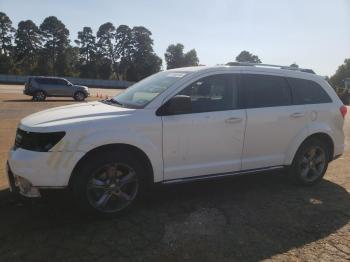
(212, 93)
(308, 92)
(143, 92)
(266, 91)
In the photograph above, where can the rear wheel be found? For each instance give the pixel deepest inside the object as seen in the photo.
(39, 96)
(79, 96)
(310, 162)
(110, 184)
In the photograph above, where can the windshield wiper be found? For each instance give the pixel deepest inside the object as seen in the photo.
(115, 102)
(112, 101)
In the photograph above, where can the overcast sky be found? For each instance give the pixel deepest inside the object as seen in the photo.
(313, 33)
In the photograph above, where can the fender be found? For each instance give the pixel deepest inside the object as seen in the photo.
(151, 147)
(310, 129)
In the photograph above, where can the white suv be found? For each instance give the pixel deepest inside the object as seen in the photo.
(181, 125)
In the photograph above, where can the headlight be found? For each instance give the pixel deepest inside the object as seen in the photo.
(40, 142)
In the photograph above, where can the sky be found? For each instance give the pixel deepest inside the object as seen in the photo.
(313, 33)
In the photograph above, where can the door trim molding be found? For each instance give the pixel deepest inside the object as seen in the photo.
(214, 176)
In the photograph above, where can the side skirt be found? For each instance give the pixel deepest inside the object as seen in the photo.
(215, 176)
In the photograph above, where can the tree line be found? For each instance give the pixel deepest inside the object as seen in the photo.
(112, 53)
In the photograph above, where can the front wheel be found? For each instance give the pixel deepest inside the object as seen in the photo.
(79, 96)
(109, 184)
(310, 162)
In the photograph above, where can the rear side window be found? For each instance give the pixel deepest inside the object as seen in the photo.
(266, 91)
(60, 82)
(308, 92)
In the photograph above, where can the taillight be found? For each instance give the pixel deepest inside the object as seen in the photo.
(343, 110)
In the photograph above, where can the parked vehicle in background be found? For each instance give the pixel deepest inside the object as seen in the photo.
(41, 87)
(181, 125)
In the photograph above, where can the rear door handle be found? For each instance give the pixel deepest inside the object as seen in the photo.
(233, 120)
(298, 114)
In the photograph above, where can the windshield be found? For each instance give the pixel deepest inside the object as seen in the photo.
(143, 92)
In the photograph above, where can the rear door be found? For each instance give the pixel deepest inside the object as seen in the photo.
(272, 120)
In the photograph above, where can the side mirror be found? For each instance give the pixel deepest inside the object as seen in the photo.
(69, 84)
(177, 105)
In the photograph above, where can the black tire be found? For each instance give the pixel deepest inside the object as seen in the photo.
(310, 162)
(79, 96)
(39, 95)
(88, 196)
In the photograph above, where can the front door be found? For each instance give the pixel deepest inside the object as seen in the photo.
(209, 139)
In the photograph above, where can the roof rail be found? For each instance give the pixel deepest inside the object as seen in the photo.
(269, 65)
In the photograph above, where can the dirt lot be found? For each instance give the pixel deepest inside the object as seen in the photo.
(246, 218)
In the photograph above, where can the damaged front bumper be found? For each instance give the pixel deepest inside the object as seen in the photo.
(21, 185)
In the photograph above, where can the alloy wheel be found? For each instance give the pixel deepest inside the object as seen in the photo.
(312, 163)
(112, 188)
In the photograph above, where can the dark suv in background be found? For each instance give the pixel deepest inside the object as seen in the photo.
(41, 87)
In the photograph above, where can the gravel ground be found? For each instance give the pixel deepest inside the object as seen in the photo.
(247, 218)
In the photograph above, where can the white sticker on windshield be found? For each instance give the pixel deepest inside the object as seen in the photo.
(176, 74)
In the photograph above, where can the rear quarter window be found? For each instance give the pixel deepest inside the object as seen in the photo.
(308, 92)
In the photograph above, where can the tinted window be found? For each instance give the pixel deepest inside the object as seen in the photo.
(266, 91)
(42, 80)
(308, 92)
(212, 93)
(60, 82)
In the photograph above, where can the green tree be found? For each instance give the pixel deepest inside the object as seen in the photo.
(124, 49)
(106, 54)
(246, 56)
(175, 57)
(144, 61)
(6, 33)
(191, 58)
(6, 64)
(343, 71)
(87, 45)
(87, 53)
(55, 37)
(68, 62)
(294, 65)
(27, 46)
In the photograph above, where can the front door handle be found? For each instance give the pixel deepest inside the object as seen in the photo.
(298, 114)
(233, 120)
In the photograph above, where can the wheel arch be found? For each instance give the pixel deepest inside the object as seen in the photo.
(322, 136)
(140, 154)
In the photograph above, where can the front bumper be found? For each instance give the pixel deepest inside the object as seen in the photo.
(42, 169)
(21, 185)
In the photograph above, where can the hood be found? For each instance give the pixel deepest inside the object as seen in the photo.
(72, 114)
